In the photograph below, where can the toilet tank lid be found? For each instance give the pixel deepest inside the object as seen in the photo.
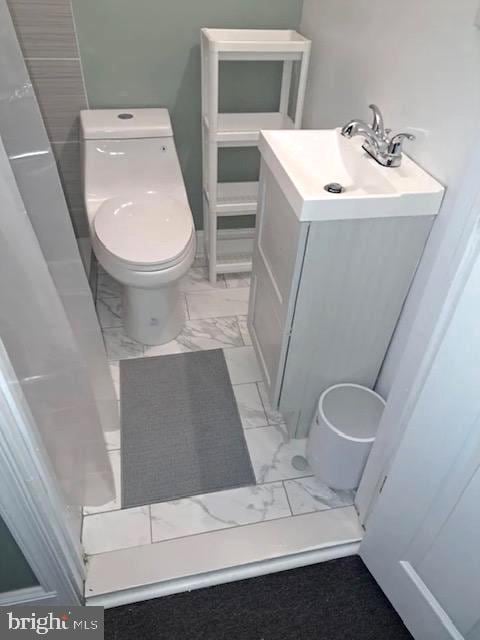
(115, 124)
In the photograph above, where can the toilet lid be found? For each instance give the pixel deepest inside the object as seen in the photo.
(144, 229)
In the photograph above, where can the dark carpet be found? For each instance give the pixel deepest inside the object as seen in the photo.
(336, 600)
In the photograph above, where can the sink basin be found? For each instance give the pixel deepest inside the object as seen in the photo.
(304, 162)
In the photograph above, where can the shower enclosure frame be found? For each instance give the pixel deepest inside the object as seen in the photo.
(31, 505)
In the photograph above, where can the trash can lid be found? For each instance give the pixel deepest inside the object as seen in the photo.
(352, 411)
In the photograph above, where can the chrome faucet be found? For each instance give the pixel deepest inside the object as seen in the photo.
(379, 143)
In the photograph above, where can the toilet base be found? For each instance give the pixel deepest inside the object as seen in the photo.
(153, 316)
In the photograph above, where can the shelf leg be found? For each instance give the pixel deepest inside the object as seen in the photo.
(302, 86)
(205, 228)
(212, 248)
(212, 216)
(286, 85)
(212, 160)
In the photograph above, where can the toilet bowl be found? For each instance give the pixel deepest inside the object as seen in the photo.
(140, 223)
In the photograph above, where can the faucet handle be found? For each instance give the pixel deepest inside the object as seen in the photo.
(377, 123)
(395, 144)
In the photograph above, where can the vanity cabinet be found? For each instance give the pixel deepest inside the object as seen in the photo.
(325, 297)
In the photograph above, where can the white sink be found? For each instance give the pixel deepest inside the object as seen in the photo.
(303, 162)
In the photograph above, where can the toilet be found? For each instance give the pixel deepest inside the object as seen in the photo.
(141, 226)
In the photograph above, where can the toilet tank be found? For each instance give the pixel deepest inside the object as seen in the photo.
(125, 151)
(121, 124)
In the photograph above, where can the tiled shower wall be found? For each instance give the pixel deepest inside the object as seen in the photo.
(46, 32)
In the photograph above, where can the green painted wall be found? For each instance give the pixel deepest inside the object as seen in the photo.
(14, 570)
(146, 53)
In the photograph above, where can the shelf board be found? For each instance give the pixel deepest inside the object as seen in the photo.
(234, 198)
(256, 40)
(244, 128)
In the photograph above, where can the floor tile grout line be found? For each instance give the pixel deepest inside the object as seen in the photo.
(261, 400)
(227, 315)
(270, 424)
(221, 346)
(234, 526)
(240, 331)
(101, 297)
(250, 486)
(288, 498)
(192, 535)
(56, 58)
(237, 526)
(150, 522)
(260, 426)
(242, 384)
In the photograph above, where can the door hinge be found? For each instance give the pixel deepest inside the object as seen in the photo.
(383, 484)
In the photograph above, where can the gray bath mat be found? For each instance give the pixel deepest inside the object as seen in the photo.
(181, 431)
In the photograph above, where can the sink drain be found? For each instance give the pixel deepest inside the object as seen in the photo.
(334, 187)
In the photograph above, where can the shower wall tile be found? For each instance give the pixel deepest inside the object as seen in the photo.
(67, 155)
(46, 32)
(58, 85)
(79, 221)
(44, 28)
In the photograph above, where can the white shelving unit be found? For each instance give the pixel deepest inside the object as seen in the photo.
(242, 129)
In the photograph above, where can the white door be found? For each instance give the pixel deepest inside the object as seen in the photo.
(423, 536)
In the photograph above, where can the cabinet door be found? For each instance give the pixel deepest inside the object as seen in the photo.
(355, 278)
(278, 255)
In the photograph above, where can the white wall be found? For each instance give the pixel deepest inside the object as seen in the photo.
(419, 60)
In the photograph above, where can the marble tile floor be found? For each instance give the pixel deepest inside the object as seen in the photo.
(216, 318)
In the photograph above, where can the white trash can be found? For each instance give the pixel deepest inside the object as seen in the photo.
(343, 433)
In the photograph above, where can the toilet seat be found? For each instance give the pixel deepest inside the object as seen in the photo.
(147, 231)
(143, 268)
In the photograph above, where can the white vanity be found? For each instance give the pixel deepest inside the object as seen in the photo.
(331, 270)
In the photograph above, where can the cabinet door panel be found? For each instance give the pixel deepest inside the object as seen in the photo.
(277, 261)
(268, 329)
(278, 239)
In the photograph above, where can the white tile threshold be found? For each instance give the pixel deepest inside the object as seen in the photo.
(163, 568)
